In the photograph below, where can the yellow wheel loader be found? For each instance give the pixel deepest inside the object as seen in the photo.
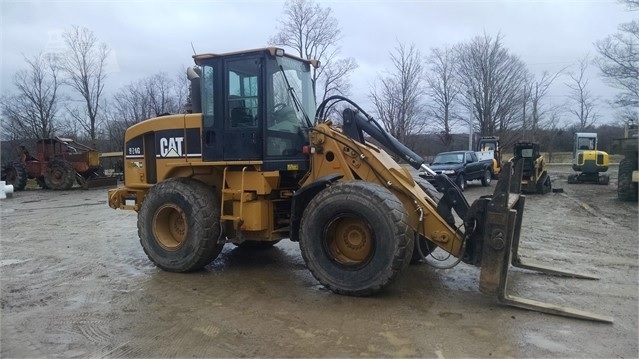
(256, 162)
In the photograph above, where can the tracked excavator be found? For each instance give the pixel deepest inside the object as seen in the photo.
(255, 162)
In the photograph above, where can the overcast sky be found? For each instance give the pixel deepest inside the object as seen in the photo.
(146, 37)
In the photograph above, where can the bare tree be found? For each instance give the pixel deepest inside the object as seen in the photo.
(582, 101)
(32, 112)
(397, 96)
(444, 91)
(619, 60)
(537, 91)
(84, 64)
(164, 93)
(149, 97)
(314, 33)
(631, 5)
(494, 81)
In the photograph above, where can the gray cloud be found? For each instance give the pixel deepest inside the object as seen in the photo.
(147, 37)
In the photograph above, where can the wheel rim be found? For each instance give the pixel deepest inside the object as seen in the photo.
(169, 227)
(349, 240)
(487, 176)
(57, 175)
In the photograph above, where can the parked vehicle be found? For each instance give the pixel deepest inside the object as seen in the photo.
(57, 164)
(588, 161)
(462, 166)
(488, 148)
(535, 178)
(255, 162)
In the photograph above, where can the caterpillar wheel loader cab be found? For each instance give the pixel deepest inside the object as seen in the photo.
(255, 162)
(588, 161)
(535, 178)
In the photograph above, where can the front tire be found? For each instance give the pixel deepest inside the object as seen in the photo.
(179, 225)
(485, 181)
(16, 175)
(355, 238)
(59, 175)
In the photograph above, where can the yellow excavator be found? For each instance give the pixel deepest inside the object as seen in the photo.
(255, 162)
(588, 161)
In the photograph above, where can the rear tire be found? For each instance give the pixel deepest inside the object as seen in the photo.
(626, 189)
(485, 181)
(15, 174)
(179, 225)
(355, 237)
(59, 175)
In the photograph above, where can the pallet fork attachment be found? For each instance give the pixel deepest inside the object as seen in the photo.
(502, 230)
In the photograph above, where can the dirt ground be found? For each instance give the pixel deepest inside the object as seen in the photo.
(76, 283)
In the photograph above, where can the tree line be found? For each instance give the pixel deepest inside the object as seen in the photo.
(476, 84)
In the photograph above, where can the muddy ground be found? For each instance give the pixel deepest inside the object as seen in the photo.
(76, 283)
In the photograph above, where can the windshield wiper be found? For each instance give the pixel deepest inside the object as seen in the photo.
(296, 101)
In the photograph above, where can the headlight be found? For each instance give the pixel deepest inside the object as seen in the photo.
(448, 172)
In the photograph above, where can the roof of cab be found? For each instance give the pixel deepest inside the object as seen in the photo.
(201, 57)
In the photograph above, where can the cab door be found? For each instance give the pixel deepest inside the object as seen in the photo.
(212, 112)
(243, 109)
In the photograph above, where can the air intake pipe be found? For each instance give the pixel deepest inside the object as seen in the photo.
(195, 95)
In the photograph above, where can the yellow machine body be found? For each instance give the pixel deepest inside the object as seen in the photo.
(255, 162)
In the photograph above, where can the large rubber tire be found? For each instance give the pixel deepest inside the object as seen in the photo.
(626, 189)
(179, 225)
(485, 181)
(355, 238)
(59, 175)
(15, 174)
(461, 181)
(424, 244)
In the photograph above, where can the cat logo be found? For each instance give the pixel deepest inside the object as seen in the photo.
(171, 147)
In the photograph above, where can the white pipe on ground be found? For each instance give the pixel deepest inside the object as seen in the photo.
(5, 189)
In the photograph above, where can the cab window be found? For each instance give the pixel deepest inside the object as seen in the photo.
(243, 93)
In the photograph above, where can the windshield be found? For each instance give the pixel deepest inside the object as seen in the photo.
(444, 158)
(293, 88)
(290, 107)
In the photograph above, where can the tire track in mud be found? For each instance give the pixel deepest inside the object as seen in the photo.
(590, 210)
(22, 343)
